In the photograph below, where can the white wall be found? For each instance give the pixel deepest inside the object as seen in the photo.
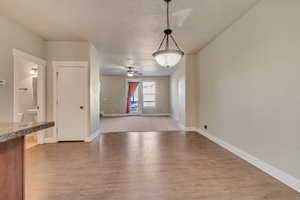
(113, 94)
(249, 84)
(14, 36)
(94, 85)
(178, 92)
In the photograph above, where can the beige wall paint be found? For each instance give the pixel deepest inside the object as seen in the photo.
(178, 92)
(113, 94)
(191, 91)
(94, 85)
(183, 103)
(249, 84)
(112, 98)
(61, 51)
(13, 36)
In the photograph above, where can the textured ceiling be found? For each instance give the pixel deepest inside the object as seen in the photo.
(127, 28)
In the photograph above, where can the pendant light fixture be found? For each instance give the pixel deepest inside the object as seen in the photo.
(168, 57)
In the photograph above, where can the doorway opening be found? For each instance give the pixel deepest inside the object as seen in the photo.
(29, 93)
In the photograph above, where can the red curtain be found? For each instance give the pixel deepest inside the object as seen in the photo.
(131, 89)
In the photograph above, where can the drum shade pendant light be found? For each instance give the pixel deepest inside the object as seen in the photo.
(168, 57)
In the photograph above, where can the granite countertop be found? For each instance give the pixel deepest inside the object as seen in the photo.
(10, 131)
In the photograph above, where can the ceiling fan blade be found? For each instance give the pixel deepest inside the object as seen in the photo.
(119, 67)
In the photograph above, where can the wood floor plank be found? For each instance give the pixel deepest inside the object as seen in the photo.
(146, 166)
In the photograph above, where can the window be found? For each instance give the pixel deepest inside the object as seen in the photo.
(149, 94)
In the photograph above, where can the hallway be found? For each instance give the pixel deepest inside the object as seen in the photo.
(147, 166)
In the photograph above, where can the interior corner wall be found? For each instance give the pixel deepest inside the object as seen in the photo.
(94, 85)
(191, 92)
(61, 51)
(178, 92)
(249, 84)
(13, 36)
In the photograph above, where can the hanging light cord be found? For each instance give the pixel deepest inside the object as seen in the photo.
(168, 31)
(168, 17)
(168, 26)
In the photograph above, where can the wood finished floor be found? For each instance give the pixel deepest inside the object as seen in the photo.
(146, 166)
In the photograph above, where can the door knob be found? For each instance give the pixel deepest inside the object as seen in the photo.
(81, 107)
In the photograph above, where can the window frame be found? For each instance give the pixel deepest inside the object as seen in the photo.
(152, 93)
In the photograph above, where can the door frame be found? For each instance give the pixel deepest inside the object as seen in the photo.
(18, 54)
(56, 65)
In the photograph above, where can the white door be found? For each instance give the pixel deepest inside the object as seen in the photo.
(71, 103)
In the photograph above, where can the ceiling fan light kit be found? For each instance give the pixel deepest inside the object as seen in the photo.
(131, 71)
(168, 57)
(130, 74)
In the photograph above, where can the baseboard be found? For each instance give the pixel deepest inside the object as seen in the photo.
(146, 115)
(191, 129)
(267, 168)
(115, 115)
(93, 136)
(50, 140)
(156, 114)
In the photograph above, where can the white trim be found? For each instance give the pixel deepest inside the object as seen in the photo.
(93, 136)
(50, 140)
(26, 56)
(70, 63)
(156, 114)
(41, 100)
(191, 129)
(280, 175)
(144, 115)
(115, 115)
(56, 65)
(18, 54)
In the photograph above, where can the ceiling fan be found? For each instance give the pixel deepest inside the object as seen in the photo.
(129, 68)
(132, 71)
